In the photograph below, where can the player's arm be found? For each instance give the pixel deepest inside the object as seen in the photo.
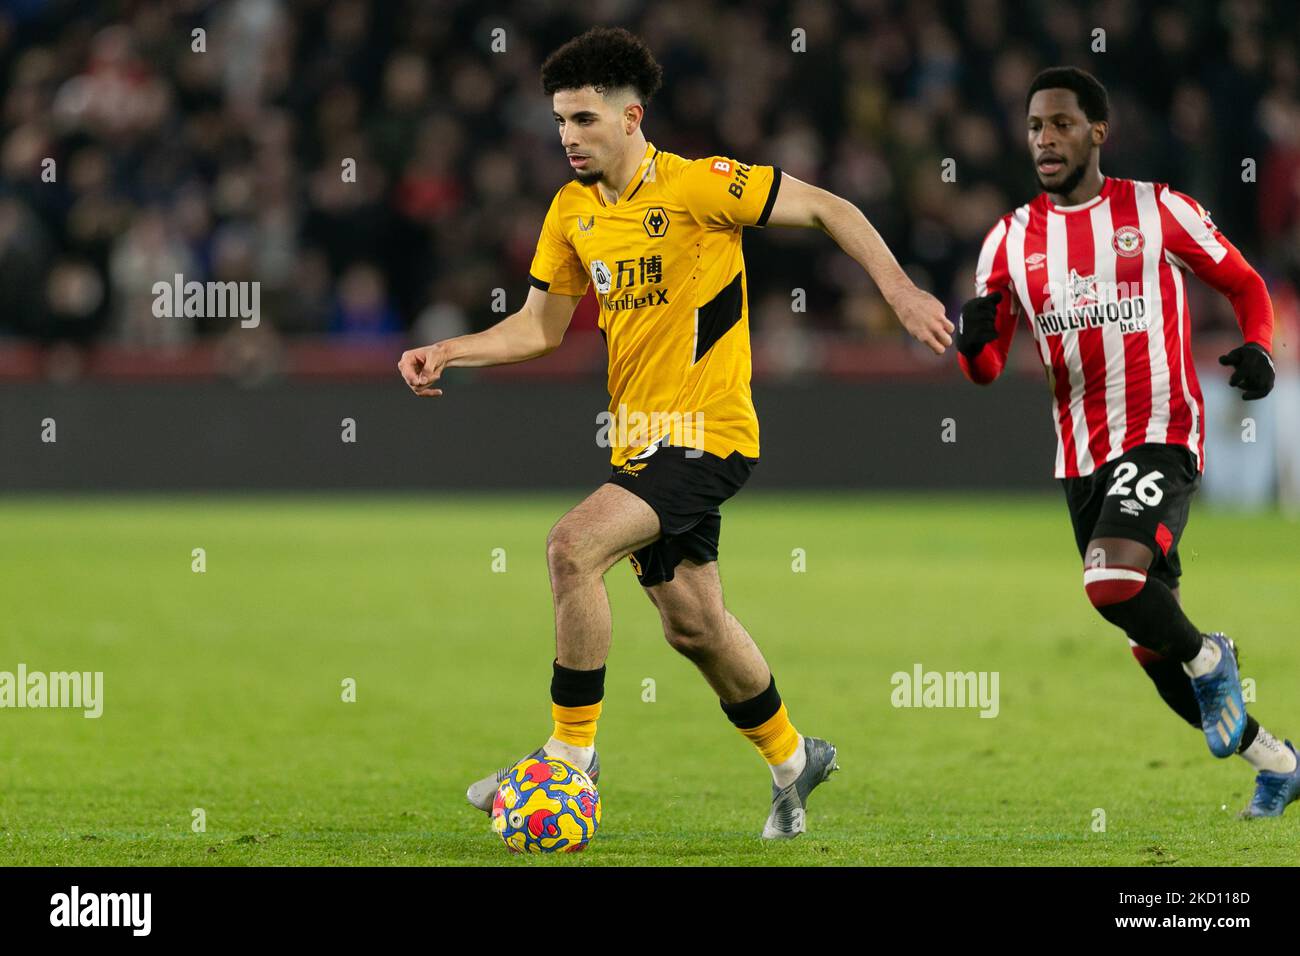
(988, 321)
(558, 280)
(535, 330)
(801, 204)
(1196, 242)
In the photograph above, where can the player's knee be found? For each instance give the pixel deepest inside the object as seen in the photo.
(695, 636)
(564, 553)
(694, 645)
(690, 643)
(1110, 587)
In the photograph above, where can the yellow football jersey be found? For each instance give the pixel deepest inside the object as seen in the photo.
(670, 279)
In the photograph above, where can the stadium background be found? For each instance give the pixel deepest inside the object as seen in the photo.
(225, 165)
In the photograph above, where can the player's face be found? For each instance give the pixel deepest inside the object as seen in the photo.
(591, 132)
(1060, 140)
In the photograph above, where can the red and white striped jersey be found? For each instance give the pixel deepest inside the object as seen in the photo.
(1102, 287)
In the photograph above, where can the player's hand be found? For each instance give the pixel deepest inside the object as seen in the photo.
(923, 317)
(1252, 370)
(422, 367)
(979, 324)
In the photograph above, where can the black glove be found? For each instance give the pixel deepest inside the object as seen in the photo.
(1252, 370)
(978, 325)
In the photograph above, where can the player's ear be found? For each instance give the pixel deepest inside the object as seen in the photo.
(1100, 131)
(632, 114)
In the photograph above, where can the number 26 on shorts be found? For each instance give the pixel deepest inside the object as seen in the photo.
(1147, 490)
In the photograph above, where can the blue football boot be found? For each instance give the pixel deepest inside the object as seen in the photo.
(1273, 791)
(1223, 712)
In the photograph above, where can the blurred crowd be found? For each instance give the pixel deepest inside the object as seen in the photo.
(221, 155)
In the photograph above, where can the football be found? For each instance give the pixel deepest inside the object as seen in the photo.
(546, 806)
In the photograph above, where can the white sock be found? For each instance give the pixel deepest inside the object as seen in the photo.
(580, 757)
(787, 771)
(1266, 752)
(1206, 661)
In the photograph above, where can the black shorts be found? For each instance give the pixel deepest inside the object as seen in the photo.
(685, 492)
(1144, 496)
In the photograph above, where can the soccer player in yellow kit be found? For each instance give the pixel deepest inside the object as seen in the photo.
(660, 237)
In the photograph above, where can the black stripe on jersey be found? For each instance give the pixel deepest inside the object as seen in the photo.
(537, 283)
(771, 197)
(644, 175)
(716, 317)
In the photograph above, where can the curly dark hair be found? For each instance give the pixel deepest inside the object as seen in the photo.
(606, 58)
(1091, 94)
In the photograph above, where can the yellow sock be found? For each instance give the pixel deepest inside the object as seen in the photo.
(576, 725)
(775, 738)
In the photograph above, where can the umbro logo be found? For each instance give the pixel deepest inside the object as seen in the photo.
(1035, 261)
(1130, 507)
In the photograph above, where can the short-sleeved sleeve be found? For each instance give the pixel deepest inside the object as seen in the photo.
(556, 266)
(724, 192)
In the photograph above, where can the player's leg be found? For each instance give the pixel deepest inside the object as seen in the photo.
(698, 626)
(602, 529)
(1092, 506)
(1171, 681)
(1118, 583)
(1084, 497)
(1130, 569)
(1259, 748)
(679, 572)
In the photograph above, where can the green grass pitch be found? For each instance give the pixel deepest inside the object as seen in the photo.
(223, 690)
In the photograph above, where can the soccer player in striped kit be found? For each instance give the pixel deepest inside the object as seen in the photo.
(1097, 267)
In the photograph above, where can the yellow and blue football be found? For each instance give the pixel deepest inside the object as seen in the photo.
(546, 806)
